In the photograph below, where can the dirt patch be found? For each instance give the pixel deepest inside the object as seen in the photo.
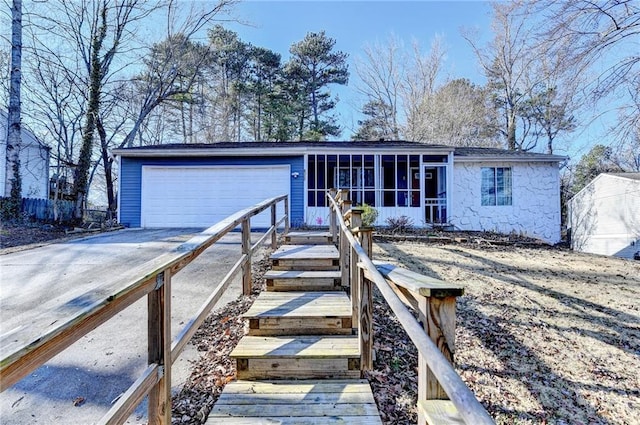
(21, 235)
(543, 335)
(18, 237)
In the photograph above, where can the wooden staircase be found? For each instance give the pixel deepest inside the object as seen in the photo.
(300, 362)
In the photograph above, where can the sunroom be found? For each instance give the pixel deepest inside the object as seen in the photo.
(414, 185)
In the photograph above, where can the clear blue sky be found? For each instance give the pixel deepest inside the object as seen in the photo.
(276, 25)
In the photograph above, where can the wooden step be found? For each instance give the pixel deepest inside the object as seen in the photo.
(297, 357)
(306, 257)
(300, 313)
(296, 402)
(300, 280)
(313, 237)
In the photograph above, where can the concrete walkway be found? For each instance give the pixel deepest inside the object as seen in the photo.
(100, 366)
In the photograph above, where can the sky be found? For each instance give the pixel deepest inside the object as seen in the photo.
(276, 25)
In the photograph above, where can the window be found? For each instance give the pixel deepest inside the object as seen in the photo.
(376, 180)
(400, 180)
(352, 172)
(496, 186)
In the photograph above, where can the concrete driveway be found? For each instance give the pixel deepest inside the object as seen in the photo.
(100, 366)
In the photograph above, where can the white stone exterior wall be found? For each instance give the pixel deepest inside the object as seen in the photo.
(535, 210)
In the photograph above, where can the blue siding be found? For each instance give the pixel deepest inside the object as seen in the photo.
(131, 181)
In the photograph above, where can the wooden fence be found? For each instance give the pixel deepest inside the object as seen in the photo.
(442, 395)
(44, 209)
(20, 355)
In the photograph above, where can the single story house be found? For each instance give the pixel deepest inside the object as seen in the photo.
(466, 188)
(604, 217)
(34, 163)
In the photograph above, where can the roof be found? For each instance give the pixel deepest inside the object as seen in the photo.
(26, 141)
(627, 176)
(477, 153)
(311, 147)
(631, 176)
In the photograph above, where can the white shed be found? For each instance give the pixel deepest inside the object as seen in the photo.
(604, 217)
(34, 163)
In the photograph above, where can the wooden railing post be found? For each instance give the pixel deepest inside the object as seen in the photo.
(345, 249)
(366, 305)
(438, 316)
(274, 235)
(354, 281)
(246, 251)
(286, 214)
(333, 226)
(344, 195)
(159, 348)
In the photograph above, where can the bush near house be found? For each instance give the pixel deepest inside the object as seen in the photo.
(369, 215)
(400, 224)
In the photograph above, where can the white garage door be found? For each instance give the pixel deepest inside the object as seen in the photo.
(202, 196)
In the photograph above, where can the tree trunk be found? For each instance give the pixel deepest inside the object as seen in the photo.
(107, 164)
(259, 123)
(93, 110)
(13, 180)
(511, 130)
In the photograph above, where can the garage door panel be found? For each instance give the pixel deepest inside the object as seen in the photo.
(202, 196)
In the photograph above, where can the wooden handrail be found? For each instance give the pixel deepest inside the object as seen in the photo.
(24, 350)
(470, 409)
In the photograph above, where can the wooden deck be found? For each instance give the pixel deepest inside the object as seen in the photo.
(300, 362)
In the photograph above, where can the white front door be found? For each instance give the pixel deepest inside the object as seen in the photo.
(435, 193)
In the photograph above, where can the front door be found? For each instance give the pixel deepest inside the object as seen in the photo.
(435, 194)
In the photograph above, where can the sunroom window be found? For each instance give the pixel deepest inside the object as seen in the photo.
(376, 180)
(400, 180)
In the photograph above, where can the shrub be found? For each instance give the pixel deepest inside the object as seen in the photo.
(369, 215)
(400, 224)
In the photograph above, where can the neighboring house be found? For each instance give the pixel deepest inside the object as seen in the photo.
(604, 217)
(464, 188)
(34, 163)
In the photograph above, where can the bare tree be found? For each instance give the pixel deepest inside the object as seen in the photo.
(381, 71)
(396, 84)
(533, 87)
(552, 97)
(505, 62)
(602, 36)
(460, 114)
(13, 180)
(627, 147)
(418, 85)
(602, 40)
(102, 36)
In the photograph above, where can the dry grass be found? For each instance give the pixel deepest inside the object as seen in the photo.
(543, 335)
